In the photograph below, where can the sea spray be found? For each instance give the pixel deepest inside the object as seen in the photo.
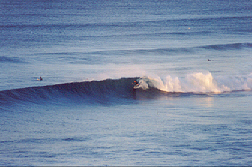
(203, 83)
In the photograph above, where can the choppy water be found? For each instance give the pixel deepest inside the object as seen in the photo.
(192, 60)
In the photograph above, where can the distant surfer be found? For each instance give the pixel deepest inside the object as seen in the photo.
(40, 79)
(208, 60)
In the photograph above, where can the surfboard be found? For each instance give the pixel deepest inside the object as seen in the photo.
(39, 79)
(136, 86)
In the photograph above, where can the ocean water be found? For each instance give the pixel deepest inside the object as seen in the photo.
(191, 58)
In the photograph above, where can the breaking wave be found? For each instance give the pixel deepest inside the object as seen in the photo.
(119, 90)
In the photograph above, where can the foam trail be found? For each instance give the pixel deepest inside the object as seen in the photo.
(197, 82)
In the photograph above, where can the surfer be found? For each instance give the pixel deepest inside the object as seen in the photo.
(135, 83)
(40, 78)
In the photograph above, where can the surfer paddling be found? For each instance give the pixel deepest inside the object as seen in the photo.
(40, 79)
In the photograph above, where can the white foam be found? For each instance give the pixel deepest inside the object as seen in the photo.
(198, 82)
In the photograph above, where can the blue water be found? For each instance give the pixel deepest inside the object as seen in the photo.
(192, 60)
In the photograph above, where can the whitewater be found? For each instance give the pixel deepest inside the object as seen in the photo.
(190, 59)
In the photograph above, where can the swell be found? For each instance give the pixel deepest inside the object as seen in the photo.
(165, 51)
(4, 59)
(219, 47)
(89, 58)
(232, 46)
(129, 24)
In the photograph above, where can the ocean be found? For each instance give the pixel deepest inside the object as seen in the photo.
(190, 59)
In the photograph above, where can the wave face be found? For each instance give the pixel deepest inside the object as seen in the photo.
(89, 91)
